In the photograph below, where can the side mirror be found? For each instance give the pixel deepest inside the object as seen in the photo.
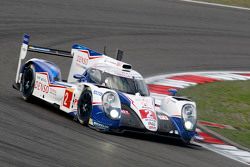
(172, 92)
(80, 77)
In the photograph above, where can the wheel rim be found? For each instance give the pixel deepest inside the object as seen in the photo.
(85, 106)
(28, 81)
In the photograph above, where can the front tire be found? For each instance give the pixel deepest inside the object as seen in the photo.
(28, 82)
(84, 106)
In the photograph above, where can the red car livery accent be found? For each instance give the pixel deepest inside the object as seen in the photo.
(67, 98)
(147, 114)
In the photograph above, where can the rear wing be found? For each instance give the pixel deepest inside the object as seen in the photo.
(83, 57)
(49, 51)
(26, 47)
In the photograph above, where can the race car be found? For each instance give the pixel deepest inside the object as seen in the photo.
(102, 93)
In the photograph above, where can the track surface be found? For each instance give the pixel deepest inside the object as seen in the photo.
(157, 36)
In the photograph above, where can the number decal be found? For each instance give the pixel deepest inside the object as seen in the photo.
(67, 98)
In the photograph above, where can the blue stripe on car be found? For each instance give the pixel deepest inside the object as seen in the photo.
(185, 135)
(91, 52)
(124, 100)
(45, 66)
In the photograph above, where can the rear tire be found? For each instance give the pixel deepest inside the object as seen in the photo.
(28, 82)
(84, 106)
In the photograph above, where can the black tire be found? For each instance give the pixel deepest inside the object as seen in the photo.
(28, 82)
(84, 107)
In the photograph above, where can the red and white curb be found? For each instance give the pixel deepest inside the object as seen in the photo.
(216, 4)
(159, 86)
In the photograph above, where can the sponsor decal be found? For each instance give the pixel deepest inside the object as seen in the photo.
(41, 83)
(42, 79)
(149, 119)
(145, 114)
(97, 93)
(100, 126)
(147, 103)
(162, 117)
(41, 87)
(151, 127)
(52, 91)
(151, 124)
(82, 60)
(125, 112)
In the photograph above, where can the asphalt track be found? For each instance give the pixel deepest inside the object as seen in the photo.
(158, 36)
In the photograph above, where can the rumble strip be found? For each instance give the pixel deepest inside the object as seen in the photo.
(159, 85)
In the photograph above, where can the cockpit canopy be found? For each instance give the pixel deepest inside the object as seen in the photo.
(124, 84)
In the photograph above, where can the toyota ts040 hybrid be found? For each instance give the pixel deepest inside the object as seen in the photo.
(103, 93)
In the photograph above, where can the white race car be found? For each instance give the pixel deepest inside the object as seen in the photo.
(103, 93)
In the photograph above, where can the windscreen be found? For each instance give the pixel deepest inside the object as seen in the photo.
(126, 85)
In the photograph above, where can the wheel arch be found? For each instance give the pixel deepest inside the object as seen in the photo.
(44, 66)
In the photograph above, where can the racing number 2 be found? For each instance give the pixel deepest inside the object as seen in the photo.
(67, 98)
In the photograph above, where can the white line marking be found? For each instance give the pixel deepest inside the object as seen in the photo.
(158, 96)
(175, 83)
(225, 147)
(240, 153)
(151, 80)
(216, 4)
(226, 76)
(224, 153)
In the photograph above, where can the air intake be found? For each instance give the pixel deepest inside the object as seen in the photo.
(127, 66)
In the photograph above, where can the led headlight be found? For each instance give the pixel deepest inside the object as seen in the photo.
(189, 116)
(114, 114)
(111, 105)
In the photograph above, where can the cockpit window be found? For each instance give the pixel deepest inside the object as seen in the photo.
(95, 75)
(126, 85)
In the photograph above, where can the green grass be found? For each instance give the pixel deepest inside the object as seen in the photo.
(242, 3)
(226, 103)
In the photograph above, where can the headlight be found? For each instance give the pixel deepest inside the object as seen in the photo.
(111, 105)
(114, 114)
(189, 116)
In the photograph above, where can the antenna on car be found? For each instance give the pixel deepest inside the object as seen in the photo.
(119, 54)
(104, 50)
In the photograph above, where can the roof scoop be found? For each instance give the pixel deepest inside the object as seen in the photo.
(126, 66)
